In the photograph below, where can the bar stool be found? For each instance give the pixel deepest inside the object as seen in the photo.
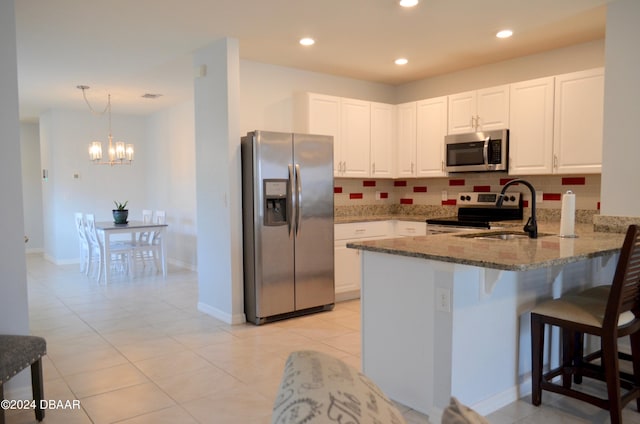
(608, 317)
(16, 354)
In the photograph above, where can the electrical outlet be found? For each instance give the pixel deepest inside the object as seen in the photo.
(539, 197)
(443, 300)
(378, 196)
(445, 195)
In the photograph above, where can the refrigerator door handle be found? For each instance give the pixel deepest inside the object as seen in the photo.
(299, 199)
(290, 200)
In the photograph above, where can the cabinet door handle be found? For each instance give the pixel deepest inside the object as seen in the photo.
(442, 165)
(412, 167)
(555, 161)
(373, 168)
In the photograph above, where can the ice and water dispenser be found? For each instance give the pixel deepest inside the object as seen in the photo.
(275, 202)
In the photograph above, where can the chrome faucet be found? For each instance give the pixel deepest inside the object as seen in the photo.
(531, 226)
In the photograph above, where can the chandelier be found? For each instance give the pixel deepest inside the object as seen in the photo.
(119, 152)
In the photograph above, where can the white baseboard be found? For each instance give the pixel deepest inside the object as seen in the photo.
(347, 295)
(221, 315)
(34, 250)
(502, 399)
(182, 264)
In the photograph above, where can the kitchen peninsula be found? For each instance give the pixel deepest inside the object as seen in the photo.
(448, 315)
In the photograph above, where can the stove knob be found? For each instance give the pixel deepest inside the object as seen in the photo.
(512, 198)
(462, 198)
(468, 198)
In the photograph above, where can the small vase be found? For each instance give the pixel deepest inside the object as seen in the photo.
(120, 216)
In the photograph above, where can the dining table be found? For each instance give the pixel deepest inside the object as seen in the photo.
(107, 229)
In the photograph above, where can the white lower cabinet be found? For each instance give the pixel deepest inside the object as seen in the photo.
(347, 261)
(409, 228)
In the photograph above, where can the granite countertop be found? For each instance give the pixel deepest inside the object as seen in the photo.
(519, 254)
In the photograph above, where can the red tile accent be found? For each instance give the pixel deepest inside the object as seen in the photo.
(355, 195)
(448, 202)
(551, 196)
(420, 189)
(337, 190)
(368, 183)
(384, 195)
(406, 201)
(457, 182)
(525, 203)
(573, 181)
(598, 205)
(400, 183)
(481, 189)
(503, 181)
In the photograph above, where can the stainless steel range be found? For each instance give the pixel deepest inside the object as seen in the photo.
(478, 210)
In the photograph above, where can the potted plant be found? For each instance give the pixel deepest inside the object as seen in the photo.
(120, 214)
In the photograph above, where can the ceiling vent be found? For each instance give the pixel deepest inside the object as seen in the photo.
(151, 96)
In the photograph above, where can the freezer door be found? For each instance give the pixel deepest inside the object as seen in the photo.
(271, 281)
(313, 159)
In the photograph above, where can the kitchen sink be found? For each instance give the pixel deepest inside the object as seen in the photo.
(500, 235)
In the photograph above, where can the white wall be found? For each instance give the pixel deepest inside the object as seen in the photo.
(267, 93)
(14, 312)
(64, 139)
(620, 191)
(554, 62)
(32, 186)
(171, 179)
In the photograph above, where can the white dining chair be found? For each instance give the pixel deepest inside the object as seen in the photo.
(83, 243)
(149, 249)
(121, 253)
(95, 250)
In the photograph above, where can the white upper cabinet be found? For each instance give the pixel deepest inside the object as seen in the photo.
(348, 121)
(481, 110)
(363, 133)
(355, 138)
(382, 139)
(406, 140)
(578, 118)
(431, 127)
(531, 127)
(320, 114)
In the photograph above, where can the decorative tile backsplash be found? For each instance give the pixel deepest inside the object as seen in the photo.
(387, 194)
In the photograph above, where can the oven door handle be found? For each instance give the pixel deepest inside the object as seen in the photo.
(485, 152)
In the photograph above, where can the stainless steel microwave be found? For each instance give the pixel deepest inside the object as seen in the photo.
(477, 152)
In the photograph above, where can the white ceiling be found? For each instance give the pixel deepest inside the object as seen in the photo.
(133, 47)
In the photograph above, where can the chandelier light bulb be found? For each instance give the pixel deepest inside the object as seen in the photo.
(401, 61)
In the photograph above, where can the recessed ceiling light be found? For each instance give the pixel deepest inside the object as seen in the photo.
(307, 41)
(408, 3)
(401, 61)
(505, 33)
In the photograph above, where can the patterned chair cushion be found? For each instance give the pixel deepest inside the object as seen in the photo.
(318, 388)
(18, 353)
(457, 413)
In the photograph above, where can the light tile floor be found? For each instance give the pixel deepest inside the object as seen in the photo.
(139, 352)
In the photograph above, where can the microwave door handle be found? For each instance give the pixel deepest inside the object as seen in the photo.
(485, 152)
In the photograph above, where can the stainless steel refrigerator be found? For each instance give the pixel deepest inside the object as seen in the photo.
(287, 203)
